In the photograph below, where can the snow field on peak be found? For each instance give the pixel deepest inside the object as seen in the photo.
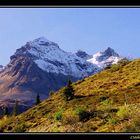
(52, 59)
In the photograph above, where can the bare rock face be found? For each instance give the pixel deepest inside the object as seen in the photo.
(83, 54)
(22, 80)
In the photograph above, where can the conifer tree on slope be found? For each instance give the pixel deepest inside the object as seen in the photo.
(15, 108)
(37, 99)
(69, 91)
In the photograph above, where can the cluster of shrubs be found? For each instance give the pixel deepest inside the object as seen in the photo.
(83, 114)
(58, 115)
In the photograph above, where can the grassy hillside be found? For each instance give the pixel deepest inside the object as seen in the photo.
(105, 102)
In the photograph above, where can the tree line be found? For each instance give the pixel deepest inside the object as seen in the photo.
(68, 95)
(15, 111)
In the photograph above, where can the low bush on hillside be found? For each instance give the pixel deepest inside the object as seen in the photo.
(114, 68)
(82, 113)
(106, 105)
(124, 112)
(58, 115)
(112, 120)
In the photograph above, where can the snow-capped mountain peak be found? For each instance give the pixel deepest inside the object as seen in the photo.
(105, 58)
(110, 52)
(104, 55)
(50, 58)
(42, 42)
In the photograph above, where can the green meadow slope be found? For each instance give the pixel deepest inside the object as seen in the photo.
(105, 102)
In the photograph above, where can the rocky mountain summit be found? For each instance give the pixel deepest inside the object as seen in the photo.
(105, 58)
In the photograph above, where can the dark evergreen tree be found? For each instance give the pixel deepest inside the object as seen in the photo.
(37, 99)
(5, 111)
(69, 91)
(15, 108)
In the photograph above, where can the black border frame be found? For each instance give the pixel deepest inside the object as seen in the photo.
(70, 4)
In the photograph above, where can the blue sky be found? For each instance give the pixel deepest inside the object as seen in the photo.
(88, 29)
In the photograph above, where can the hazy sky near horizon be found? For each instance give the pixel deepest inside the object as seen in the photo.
(88, 29)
